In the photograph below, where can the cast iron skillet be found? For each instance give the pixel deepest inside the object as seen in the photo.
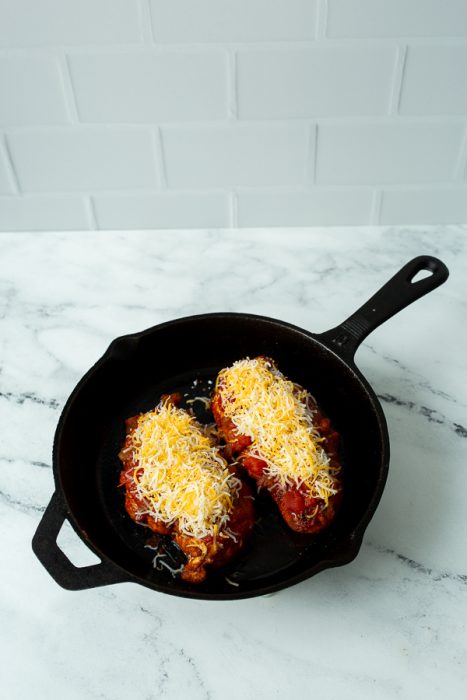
(185, 355)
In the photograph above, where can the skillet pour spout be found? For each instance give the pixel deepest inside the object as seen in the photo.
(91, 431)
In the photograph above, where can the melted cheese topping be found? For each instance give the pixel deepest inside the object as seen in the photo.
(278, 417)
(180, 474)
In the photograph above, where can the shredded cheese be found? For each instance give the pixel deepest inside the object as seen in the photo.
(205, 400)
(180, 473)
(277, 416)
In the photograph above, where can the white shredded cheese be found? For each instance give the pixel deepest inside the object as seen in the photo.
(180, 474)
(278, 417)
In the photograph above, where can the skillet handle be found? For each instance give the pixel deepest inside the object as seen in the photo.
(394, 296)
(66, 574)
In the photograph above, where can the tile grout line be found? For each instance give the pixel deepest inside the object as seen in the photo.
(461, 165)
(233, 209)
(67, 88)
(397, 80)
(376, 205)
(12, 174)
(232, 85)
(145, 23)
(267, 44)
(159, 158)
(302, 188)
(312, 159)
(362, 120)
(322, 20)
(91, 213)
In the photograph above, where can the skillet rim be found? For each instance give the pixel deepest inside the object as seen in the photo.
(345, 549)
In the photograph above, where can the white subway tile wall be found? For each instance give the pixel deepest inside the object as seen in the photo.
(301, 83)
(25, 23)
(83, 159)
(424, 206)
(48, 213)
(150, 87)
(164, 210)
(31, 90)
(382, 154)
(124, 114)
(435, 81)
(331, 207)
(242, 154)
(221, 21)
(396, 18)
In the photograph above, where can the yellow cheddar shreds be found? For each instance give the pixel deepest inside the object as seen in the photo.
(181, 475)
(278, 417)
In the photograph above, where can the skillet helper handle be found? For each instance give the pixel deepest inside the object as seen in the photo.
(394, 296)
(66, 574)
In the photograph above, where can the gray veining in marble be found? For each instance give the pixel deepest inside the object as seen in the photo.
(392, 624)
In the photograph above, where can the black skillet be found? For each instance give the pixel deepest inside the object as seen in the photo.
(185, 355)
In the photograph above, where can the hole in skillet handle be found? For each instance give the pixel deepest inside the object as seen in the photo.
(421, 275)
(74, 548)
(65, 573)
(400, 291)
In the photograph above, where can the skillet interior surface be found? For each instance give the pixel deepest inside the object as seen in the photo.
(185, 355)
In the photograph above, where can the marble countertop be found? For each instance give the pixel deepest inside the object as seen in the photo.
(392, 624)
